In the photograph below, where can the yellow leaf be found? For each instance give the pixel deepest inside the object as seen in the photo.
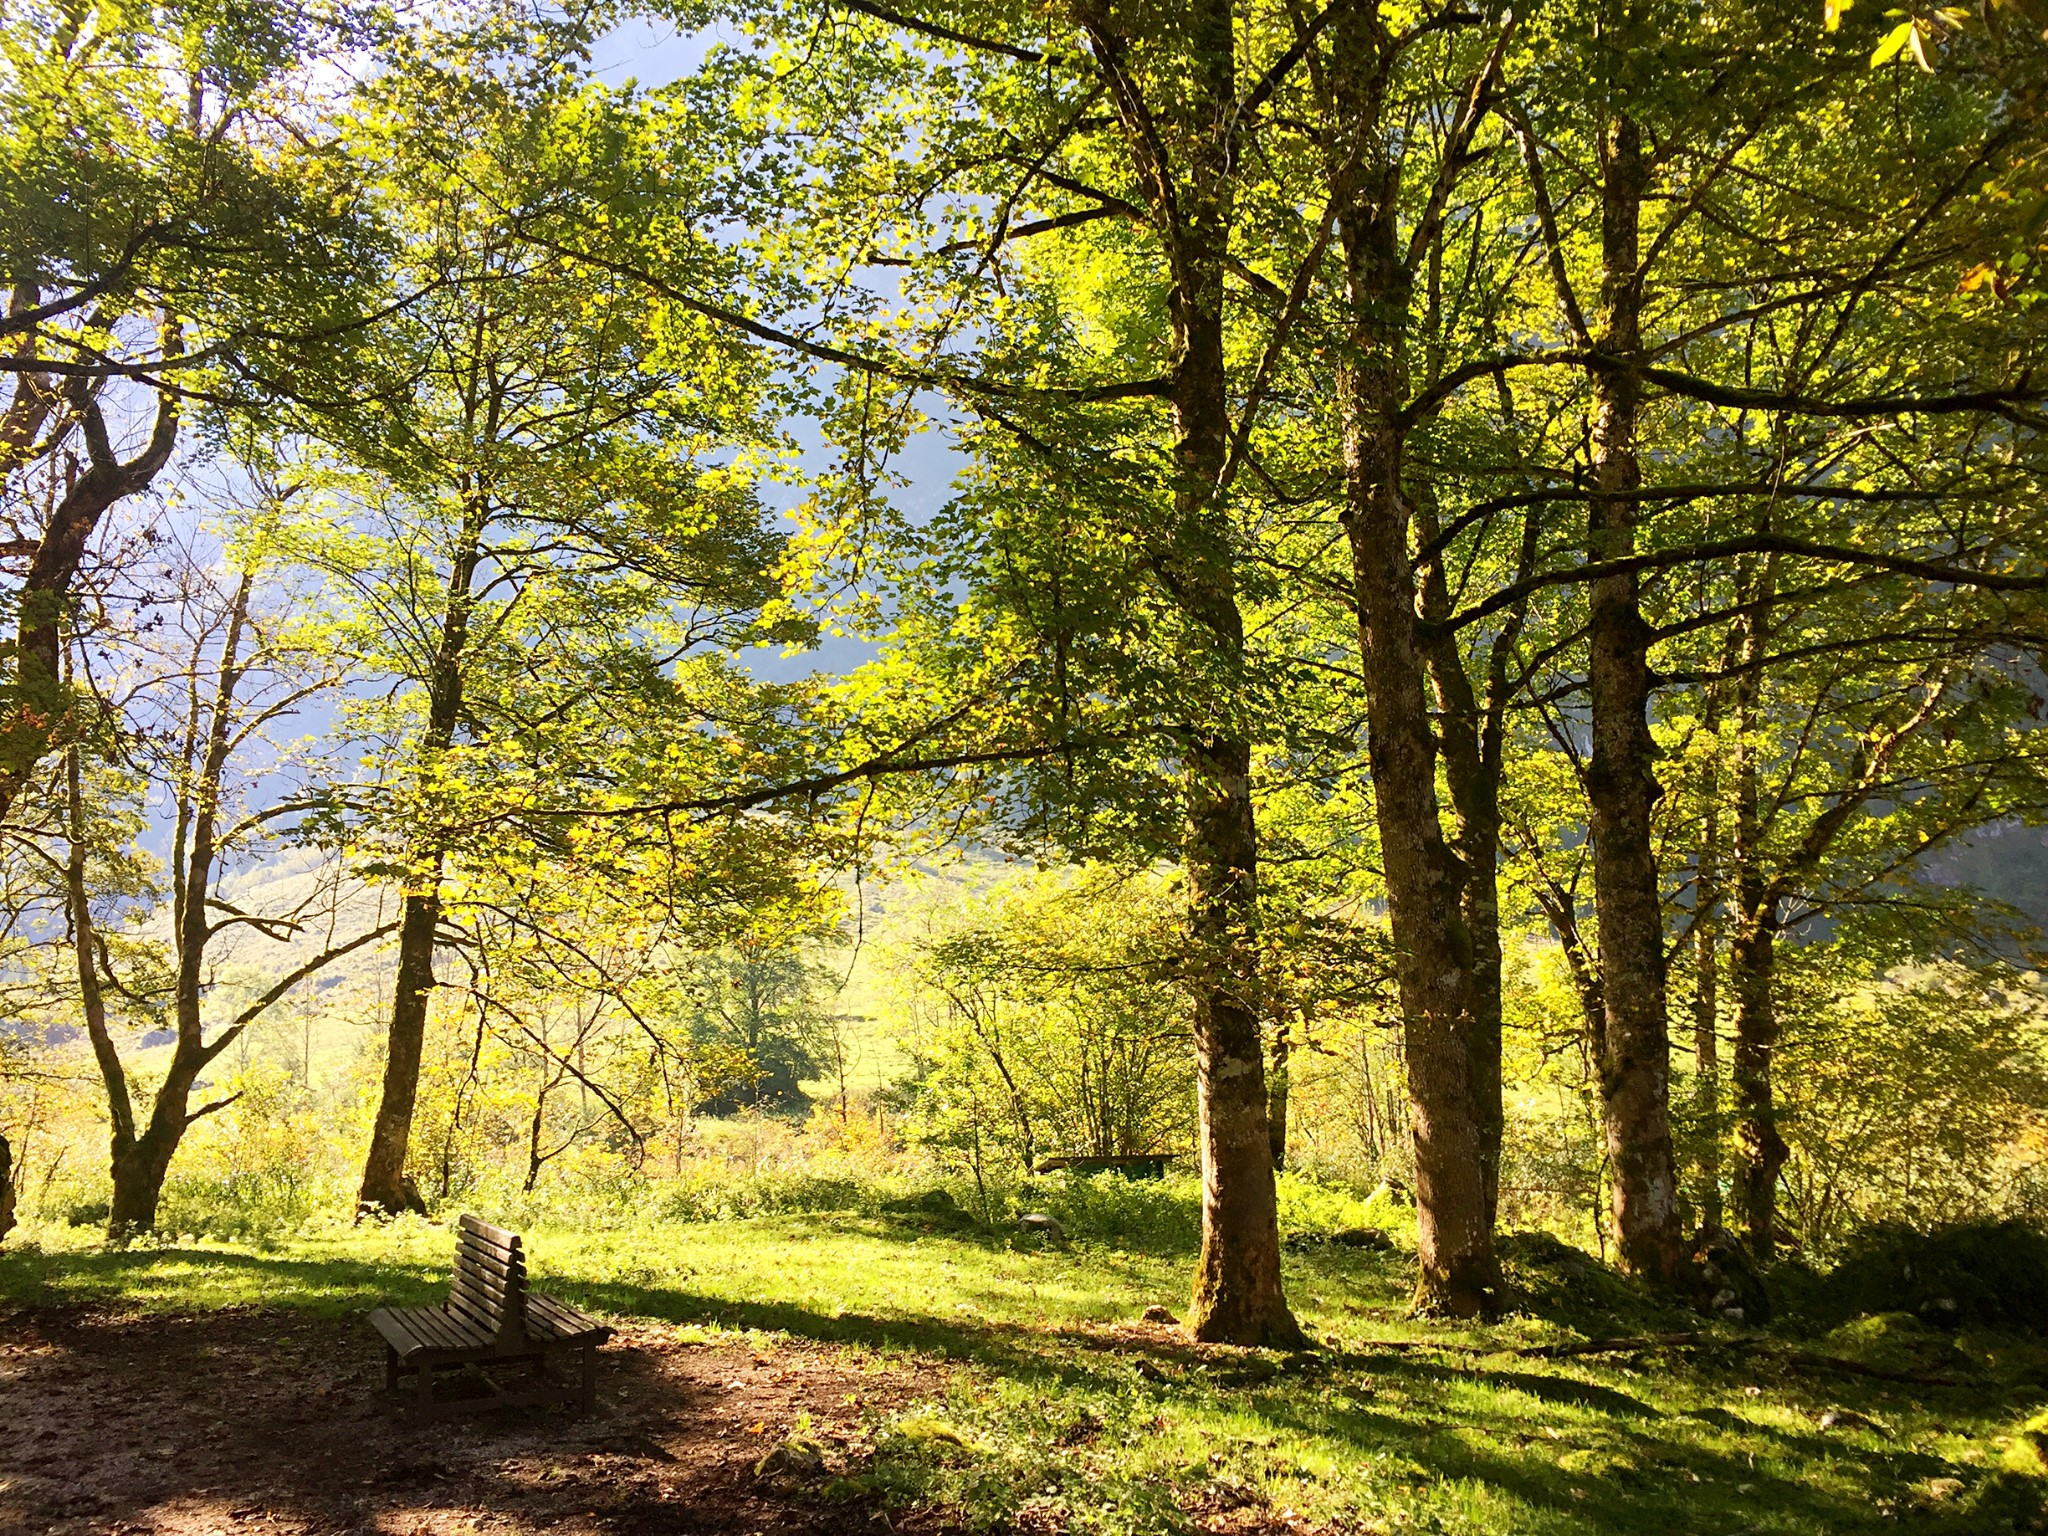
(1894, 40)
(1919, 41)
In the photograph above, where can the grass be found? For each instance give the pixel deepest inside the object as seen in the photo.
(1060, 1415)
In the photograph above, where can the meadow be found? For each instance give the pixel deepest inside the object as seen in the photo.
(1063, 1409)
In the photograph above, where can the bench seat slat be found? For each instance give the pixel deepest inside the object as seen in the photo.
(416, 1331)
(398, 1331)
(560, 1320)
(423, 1324)
(450, 1332)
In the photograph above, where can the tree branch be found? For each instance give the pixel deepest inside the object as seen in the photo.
(1747, 544)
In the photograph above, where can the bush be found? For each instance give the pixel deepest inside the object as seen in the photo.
(1152, 1215)
(88, 1213)
(1988, 1274)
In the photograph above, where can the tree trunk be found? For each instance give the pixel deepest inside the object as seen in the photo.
(7, 1198)
(534, 1128)
(1183, 144)
(34, 712)
(1760, 1151)
(1020, 1110)
(1480, 909)
(1451, 1039)
(1237, 1297)
(139, 1168)
(36, 395)
(1622, 790)
(84, 951)
(139, 1177)
(1706, 1040)
(1471, 736)
(1433, 947)
(1434, 959)
(385, 1185)
(1276, 1097)
(1433, 950)
(384, 1170)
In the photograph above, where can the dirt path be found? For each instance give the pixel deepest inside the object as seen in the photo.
(269, 1424)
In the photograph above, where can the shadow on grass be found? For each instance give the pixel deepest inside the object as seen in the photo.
(1588, 1470)
(1577, 1455)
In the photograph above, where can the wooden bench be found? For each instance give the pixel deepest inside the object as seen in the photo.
(490, 1318)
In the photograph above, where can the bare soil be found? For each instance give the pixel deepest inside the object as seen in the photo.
(253, 1423)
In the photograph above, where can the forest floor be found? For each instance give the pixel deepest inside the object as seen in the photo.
(961, 1380)
(270, 1423)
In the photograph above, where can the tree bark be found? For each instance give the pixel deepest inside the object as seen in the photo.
(34, 708)
(35, 399)
(385, 1186)
(7, 1197)
(1471, 733)
(1020, 1110)
(1456, 1163)
(1760, 1151)
(384, 1179)
(1237, 1296)
(1276, 1097)
(1706, 1002)
(1622, 790)
(535, 1126)
(1172, 82)
(1433, 950)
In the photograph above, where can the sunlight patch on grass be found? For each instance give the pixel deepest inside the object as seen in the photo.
(1059, 1411)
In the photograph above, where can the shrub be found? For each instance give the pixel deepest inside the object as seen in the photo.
(1155, 1215)
(88, 1213)
(1991, 1274)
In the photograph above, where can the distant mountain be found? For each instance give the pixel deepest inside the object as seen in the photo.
(40, 1034)
(2007, 862)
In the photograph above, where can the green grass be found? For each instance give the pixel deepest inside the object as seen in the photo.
(1053, 1408)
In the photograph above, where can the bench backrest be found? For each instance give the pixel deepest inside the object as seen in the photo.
(489, 1287)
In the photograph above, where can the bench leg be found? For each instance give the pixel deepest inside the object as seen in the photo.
(588, 1400)
(390, 1369)
(424, 1409)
